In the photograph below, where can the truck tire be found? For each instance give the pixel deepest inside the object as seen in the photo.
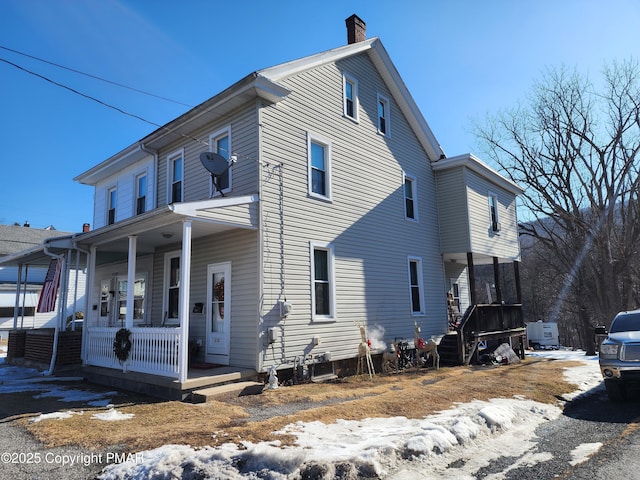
(615, 390)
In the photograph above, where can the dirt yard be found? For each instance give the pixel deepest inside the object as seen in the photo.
(231, 418)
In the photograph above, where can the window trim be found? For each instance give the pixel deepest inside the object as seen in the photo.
(137, 196)
(170, 179)
(319, 140)
(328, 247)
(381, 99)
(226, 131)
(494, 215)
(414, 192)
(418, 261)
(168, 256)
(348, 79)
(112, 192)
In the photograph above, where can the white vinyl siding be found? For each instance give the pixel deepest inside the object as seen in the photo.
(365, 222)
(125, 183)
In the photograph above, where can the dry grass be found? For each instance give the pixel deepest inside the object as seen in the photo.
(411, 394)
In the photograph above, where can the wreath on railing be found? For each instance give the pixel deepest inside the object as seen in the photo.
(122, 344)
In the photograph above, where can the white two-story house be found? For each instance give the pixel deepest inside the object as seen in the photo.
(339, 209)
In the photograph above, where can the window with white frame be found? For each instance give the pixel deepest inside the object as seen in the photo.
(410, 197)
(139, 291)
(172, 287)
(323, 281)
(176, 173)
(220, 143)
(319, 166)
(141, 193)
(416, 290)
(350, 100)
(384, 117)
(493, 212)
(112, 198)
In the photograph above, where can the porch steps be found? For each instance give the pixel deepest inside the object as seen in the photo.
(239, 388)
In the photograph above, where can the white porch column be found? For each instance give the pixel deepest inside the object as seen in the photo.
(88, 311)
(131, 279)
(183, 302)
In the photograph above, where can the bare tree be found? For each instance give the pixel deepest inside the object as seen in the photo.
(574, 148)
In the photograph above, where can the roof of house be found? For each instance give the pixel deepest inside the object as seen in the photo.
(264, 84)
(15, 238)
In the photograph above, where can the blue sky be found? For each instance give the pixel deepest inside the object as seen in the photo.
(460, 59)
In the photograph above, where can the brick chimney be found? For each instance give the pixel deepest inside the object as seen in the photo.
(356, 29)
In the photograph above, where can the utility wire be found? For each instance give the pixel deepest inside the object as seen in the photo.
(95, 77)
(117, 109)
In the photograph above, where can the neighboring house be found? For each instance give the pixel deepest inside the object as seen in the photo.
(15, 239)
(339, 209)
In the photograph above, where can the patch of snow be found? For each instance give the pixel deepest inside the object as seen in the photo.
(582, 452)
(74, 395)
(112, 415)
(54, 416)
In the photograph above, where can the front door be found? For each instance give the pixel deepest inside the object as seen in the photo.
(218, 312)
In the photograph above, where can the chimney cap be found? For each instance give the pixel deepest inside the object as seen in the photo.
(356, 29)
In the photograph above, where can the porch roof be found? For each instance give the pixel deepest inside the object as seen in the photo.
(162, 226)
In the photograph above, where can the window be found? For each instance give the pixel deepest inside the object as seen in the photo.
(176, 175)
(138, 298)
(111, 211)
(319, 152)
(415, 286)
(172, 287)
(141, 194)
(410, 198)
(323, 284)
(220, 143)
(383, 116)
(350, 102)
(493, 212)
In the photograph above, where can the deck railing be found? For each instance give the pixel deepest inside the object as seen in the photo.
(153, 350)
(485, 321)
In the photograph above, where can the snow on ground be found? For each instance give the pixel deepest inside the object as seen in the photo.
(394, 448)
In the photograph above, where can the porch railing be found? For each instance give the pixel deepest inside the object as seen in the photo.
(485, 321)
(153, 350)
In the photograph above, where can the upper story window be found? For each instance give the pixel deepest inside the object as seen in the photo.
(410, 198)
(493, 212)
(323, 282)
(141, 194)
(176, 174)
(319, 168)
(384, 117)
(350, 101)
(112, 198)
(416, 291)
(220, 143)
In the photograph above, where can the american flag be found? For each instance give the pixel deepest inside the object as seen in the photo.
(47, 302)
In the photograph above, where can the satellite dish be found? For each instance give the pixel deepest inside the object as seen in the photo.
(216, 165)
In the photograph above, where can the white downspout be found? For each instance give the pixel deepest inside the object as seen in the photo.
(56, 334)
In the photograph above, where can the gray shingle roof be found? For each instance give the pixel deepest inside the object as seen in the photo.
(15, 238)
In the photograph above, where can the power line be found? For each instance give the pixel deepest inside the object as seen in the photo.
(95, 77)
(113, 107)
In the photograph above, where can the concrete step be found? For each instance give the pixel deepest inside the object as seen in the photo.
(239, 388)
